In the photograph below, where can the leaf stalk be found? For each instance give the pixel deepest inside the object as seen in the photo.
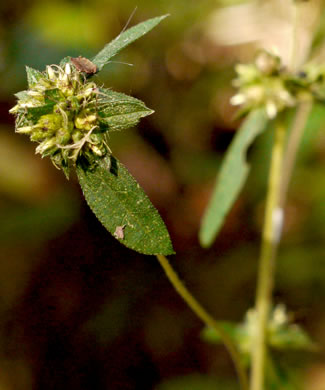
(206, 318)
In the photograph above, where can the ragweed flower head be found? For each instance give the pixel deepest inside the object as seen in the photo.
(70, 116)
(59, 111)
(263, 83)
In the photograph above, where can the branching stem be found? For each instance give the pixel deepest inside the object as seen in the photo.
(205, 317)
(279, 178)
(270, 239)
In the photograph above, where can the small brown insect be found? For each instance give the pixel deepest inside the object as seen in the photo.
(119, 232)
(84, 65)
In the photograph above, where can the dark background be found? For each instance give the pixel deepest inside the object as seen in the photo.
(77, 309)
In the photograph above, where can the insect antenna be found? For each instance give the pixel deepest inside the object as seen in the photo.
(128, 21)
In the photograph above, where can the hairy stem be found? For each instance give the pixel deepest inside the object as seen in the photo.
(270, 239)
(205, 317)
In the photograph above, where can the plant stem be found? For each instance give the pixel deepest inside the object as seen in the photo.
(270, 239)
(299, 123)
(206, 318)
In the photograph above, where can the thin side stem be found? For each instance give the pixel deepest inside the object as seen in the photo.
(270, 239)
(299, 124)
(205, 317)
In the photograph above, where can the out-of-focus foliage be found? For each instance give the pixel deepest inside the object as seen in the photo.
(281, 333)
(195, 382)
(233, 173)
(77, 309)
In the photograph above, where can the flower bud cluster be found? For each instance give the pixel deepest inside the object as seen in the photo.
(263, 83)
(266, 83)
(59, 111)
(282, 333)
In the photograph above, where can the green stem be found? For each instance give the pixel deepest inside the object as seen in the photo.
(299, 123)
(270, 239)
(205, 317)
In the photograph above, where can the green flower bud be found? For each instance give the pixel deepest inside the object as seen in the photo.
(63, 137)
(72, 103)
(85, 122)
(50, 73)
(50, 122)
(46, 146)
(59, 111)
(267, 63)
(263, 83)
(40, 135)
(25, 130)
(77, 136)
(97, 150)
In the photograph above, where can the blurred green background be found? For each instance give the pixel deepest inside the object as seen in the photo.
(77, 309)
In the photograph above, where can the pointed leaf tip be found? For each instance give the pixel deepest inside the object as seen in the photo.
(33, 76)
(123, 208)
(124, 39)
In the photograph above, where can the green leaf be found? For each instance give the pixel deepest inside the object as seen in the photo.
(33, 76)
(124, 39)
(34, 113)
(232, 329)
(53, 95)
(291, 337)
(122, 207)
(118, 111)
(280, 335)
(64, 61)
(238, 333)
(233, 173)
(22, 95)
